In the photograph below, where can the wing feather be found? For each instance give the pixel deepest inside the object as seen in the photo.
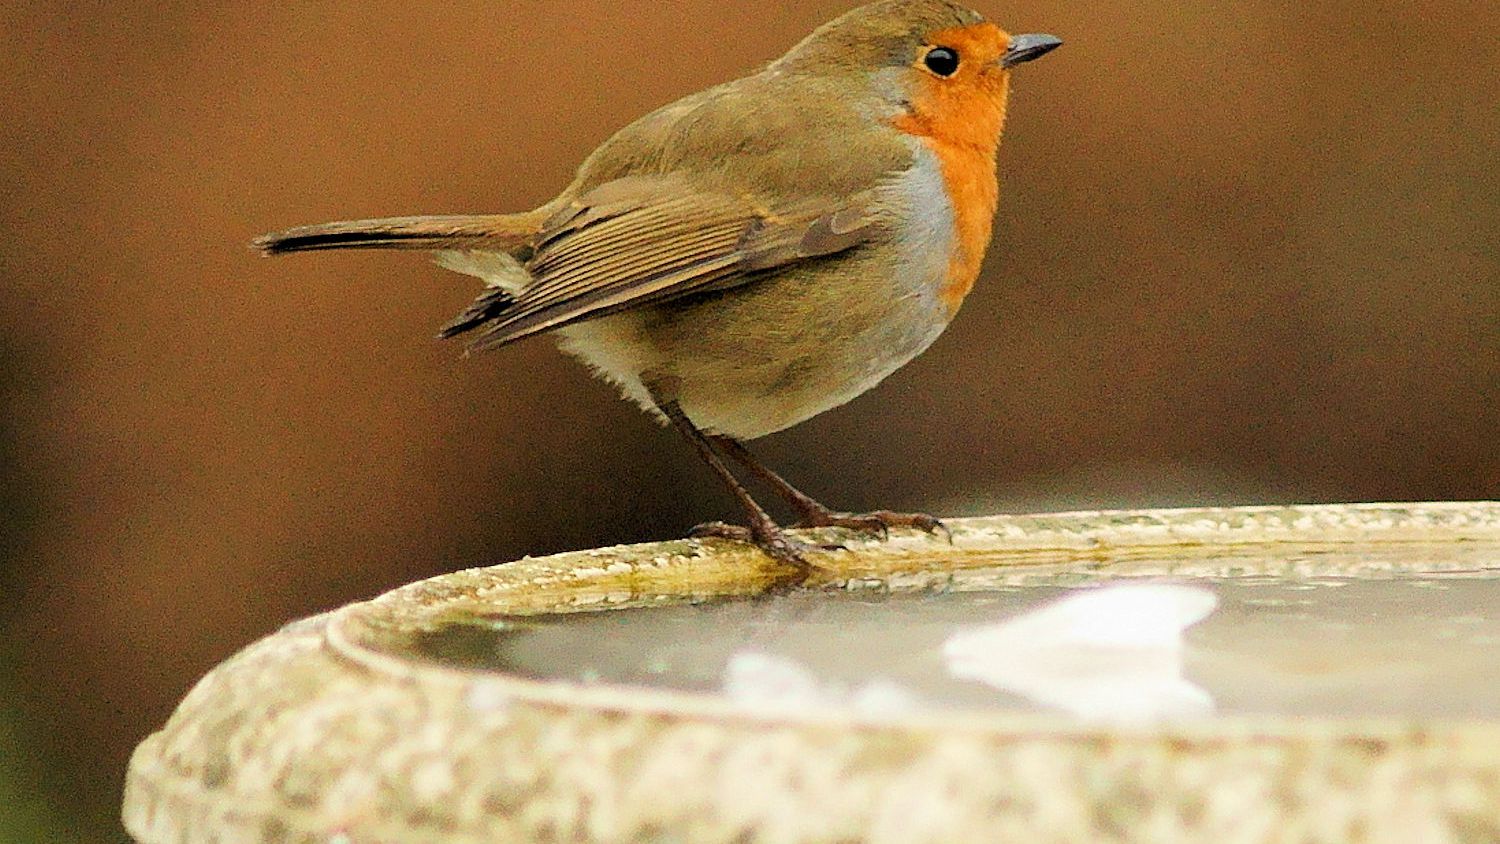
(644, 240)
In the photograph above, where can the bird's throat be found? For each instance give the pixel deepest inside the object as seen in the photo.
(962, 128)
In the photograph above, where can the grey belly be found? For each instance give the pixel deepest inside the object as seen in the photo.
(763, 357)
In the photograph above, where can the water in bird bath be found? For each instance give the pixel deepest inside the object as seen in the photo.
(1391, 642)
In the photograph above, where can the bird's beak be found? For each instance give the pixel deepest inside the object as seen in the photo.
(1024, 48)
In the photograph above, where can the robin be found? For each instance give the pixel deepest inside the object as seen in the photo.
(757, 253)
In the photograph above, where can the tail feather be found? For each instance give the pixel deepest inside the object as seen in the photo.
(495, 232)
(488, 247)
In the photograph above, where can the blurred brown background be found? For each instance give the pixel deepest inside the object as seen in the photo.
(1248, 252)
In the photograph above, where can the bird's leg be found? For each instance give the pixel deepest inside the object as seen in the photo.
(762, 531)
(815, 514)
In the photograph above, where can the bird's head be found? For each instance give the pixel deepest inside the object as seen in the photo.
(938, 64)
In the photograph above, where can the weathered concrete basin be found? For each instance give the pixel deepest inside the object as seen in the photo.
(457, 710)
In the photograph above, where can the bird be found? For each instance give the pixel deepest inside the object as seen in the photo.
(759, 252)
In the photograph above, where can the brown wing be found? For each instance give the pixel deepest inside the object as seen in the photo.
(642, 240)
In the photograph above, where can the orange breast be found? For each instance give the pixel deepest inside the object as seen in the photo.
(960, 120)
(975, 194)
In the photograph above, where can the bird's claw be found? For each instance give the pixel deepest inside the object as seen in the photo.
(720, 530)
(879, 522)
(772, 541)
(791, 552)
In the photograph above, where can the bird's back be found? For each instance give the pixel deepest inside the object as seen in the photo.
(769, 135)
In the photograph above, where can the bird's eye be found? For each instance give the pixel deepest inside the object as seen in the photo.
(942, 61)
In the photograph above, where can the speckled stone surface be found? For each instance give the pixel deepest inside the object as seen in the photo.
(324, 733)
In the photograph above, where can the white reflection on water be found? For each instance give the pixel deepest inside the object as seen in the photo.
(1109, 654)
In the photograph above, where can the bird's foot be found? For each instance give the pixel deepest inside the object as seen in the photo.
(771, 540)
(879, 522)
